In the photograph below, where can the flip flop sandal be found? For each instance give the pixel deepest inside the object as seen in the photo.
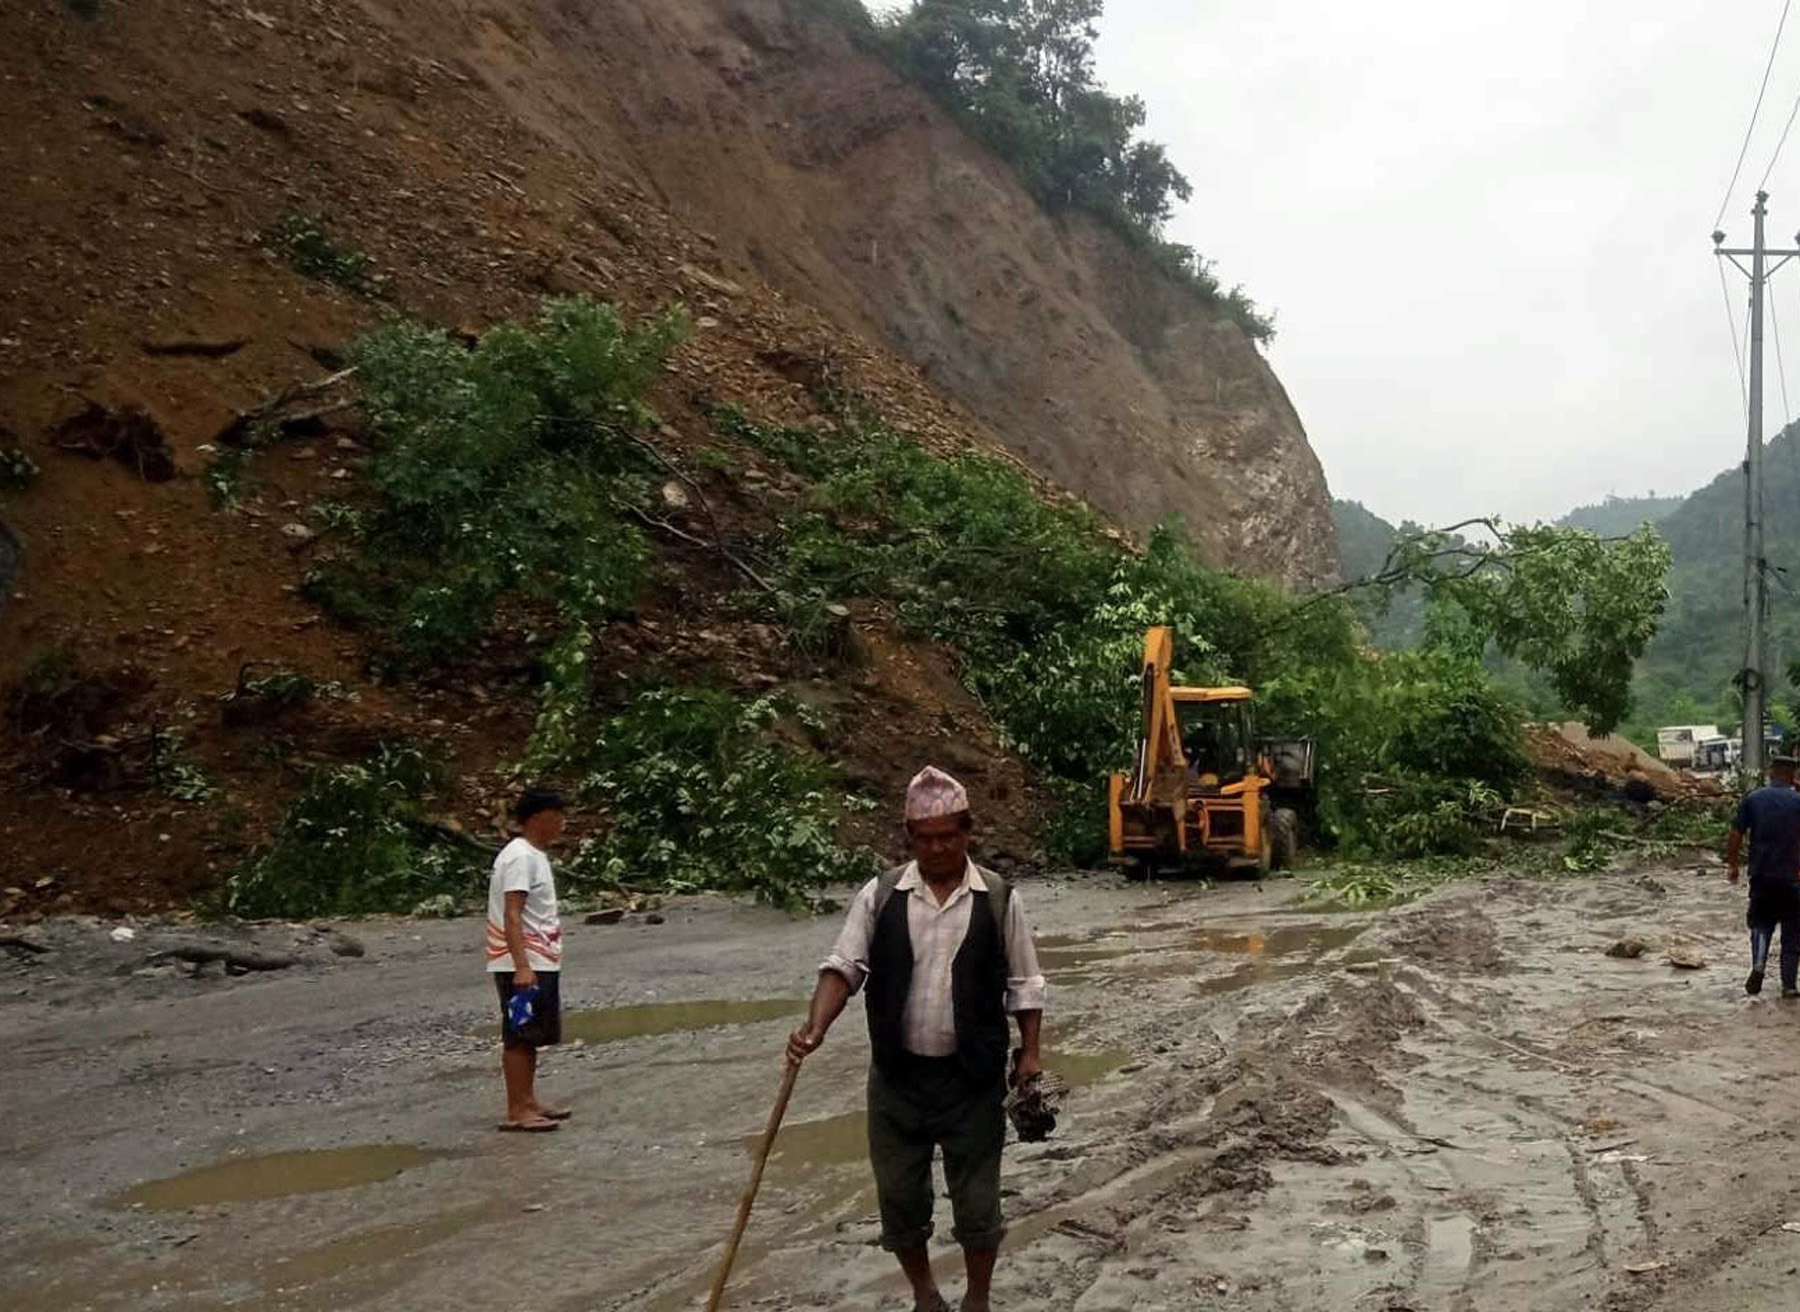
(538, 1126)
(937, 1304)
(556, 1113)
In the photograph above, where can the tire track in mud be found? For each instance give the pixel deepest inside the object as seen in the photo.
(1422, 1131)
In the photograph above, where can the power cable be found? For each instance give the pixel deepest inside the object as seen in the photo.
(1737, 351)
(1786, 128)
(1787, 413)
(1755, 110)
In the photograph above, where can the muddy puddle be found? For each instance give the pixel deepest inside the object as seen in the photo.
(278, 1175)
(648, 1019)
(1170, 950)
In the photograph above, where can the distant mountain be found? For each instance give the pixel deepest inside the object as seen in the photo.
(1688, 670)
(1617, 516)
(1364, 540)
(1686, 675)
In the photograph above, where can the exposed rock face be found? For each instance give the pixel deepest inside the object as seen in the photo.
(809, 163)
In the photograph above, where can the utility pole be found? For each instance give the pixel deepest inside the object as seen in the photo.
(1755, 565)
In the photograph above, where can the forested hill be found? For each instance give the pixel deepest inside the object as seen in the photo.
(1617, 516)
(1686, 674)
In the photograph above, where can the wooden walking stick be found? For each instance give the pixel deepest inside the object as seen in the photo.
(756, 1174)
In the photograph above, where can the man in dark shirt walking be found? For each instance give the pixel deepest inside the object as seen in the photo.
(1771, 816)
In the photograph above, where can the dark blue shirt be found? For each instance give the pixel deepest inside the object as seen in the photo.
(1771, 816)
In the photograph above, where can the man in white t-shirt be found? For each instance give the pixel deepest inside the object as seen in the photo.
(524, 955)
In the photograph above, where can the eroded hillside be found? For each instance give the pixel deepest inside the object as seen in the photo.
(186, 173)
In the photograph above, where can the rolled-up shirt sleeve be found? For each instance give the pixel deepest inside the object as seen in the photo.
(849, 956)
(1025, 987)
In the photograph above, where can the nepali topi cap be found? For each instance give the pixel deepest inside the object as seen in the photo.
(932, 793)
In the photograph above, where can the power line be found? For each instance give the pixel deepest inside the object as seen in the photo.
(1755, 110)
(1780, 367)
(1786, 128)
(1737, 351)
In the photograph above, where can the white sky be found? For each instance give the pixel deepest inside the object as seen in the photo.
(1484, 228)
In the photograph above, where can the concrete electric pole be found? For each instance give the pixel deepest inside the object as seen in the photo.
(1755, 566)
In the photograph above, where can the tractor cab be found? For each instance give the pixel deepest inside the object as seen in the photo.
(1218, 737)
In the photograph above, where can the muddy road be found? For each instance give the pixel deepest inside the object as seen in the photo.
(1461, 1104)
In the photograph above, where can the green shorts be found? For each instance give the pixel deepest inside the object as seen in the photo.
(931, 1104)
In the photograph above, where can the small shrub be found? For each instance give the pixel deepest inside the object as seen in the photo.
(18, 471)
(703, 795)
(346, 846)
(309, 249)
(175, 773)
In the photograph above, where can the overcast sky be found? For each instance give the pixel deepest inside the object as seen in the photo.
(1484, 228)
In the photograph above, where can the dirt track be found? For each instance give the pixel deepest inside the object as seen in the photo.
(1462, 1104)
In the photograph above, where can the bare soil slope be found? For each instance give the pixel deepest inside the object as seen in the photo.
(484, 157)
(820, 171)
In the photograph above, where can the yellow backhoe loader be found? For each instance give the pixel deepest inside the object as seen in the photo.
(1204, 788)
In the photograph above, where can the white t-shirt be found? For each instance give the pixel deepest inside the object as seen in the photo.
(521, 868)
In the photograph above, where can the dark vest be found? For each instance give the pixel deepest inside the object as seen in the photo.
(977, 984)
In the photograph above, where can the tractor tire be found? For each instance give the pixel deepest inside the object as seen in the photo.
(1265, 855)
(1284, 829)
(1138, 869)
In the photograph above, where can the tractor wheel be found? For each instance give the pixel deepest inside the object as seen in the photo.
(1265, 855)
(1284, 829)
(1138, 869)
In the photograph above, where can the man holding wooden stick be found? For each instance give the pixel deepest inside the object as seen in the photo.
(942, 952)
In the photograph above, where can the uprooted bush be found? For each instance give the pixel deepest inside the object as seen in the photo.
(351, 844)
(701, 792)
(496, 471)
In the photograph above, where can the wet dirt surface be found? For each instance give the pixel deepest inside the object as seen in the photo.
(1461, 1104)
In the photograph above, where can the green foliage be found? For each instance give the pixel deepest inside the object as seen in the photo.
(1578, 609)
(1020, 74)
(18, 471)
(496, 471)
(1596, 835)
(1563, 614)
(346, 846)
(1365, 887)
(702, 793)
(226, 470)
(1048, 613)
(1074, 834)
(179, 777)
(282, 689)
(1617, 517)
(1416, 749)
(309, 249)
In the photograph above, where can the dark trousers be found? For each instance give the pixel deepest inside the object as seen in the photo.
(929, 1102)
(1775, 904)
